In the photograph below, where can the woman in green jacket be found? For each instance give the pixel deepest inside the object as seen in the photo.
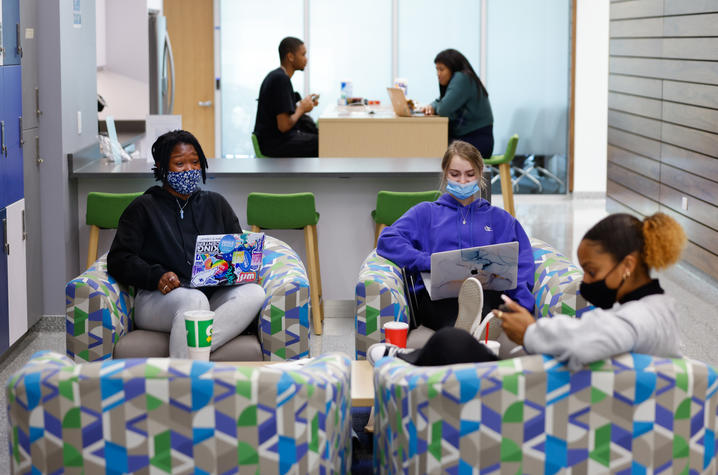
(464, 100)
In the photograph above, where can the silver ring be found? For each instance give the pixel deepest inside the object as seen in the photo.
(163, 288)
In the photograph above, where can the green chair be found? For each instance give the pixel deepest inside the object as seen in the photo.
(103, 212)
(255, 144)
(390, 205)
(292, 211)
(503, 162)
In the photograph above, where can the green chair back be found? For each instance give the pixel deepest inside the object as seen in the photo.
(255, 144)
(281, 211)
(508, 155)
(391, 205)
(104, 209)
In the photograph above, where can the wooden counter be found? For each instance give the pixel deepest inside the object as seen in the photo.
(363, 131)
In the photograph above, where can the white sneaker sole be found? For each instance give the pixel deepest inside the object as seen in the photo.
(471, 301)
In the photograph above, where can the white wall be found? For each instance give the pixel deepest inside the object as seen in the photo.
(154, 5)
(127, 38)
(123, 48)
(591, 102)
(100, 31)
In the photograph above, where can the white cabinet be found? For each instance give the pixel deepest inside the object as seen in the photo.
(16, 271)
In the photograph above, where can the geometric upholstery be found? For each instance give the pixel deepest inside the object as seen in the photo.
(380, 296)
(163, 415)
(556, 283)
(99, 310)
(633, 413)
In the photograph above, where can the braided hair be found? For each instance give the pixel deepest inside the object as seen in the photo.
(162, 149)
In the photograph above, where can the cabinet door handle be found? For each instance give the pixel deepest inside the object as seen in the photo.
(17, 32)
(38, 112)
(22, 140)
(24, 229)
(5, 244)
(38, 160)
(205, 103)
(3, 147)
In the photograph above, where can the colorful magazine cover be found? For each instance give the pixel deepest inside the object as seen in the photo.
(227, 259)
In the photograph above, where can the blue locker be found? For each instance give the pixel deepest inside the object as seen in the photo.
(10, 31)
(10, 114)
(4, 317)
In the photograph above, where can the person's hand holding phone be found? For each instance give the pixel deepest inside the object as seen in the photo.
(315, 99)
(514, 319)
(307, 104)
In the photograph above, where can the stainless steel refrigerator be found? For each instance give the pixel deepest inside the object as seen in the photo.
(162, 68)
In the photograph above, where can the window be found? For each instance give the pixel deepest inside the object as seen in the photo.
(250, 35)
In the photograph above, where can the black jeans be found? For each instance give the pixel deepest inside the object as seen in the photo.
(437, 314)
(297, 144)
(449, 346)
(482, 139)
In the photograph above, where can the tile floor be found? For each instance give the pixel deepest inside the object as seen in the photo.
(558, 219)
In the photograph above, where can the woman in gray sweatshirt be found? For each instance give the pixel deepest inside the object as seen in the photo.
(632, 312)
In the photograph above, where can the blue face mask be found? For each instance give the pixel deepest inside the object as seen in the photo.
(460, 191)
(184, 182)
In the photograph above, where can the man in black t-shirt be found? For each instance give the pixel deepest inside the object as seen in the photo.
(282, 128)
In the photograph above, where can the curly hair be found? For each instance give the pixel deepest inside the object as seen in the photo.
(162, 149)
(663, 241)
(469, 153)
(659, 239)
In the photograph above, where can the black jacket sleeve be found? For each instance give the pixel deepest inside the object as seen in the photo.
(229, 219)
(124, 262)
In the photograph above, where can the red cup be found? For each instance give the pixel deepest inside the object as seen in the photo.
(396, 333)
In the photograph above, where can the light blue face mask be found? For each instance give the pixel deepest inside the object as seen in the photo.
(460, 191)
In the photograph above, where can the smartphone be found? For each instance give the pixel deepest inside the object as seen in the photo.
(315, 97)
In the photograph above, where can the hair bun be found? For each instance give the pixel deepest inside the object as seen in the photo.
(663, 239)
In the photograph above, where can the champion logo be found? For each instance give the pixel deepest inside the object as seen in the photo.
(487, 228)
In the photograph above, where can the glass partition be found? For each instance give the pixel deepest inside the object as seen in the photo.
(349, 40)
(426, 27)
(527, 65)
(250, 35)
(528, 75)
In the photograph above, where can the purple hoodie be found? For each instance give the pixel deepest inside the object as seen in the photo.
(438, 226)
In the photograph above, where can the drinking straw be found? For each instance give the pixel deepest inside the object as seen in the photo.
(488, 324)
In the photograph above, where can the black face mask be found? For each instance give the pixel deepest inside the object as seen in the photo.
(598, 293)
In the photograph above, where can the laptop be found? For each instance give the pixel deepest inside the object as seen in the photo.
(495, 265)
(398, 102)
(227, 259)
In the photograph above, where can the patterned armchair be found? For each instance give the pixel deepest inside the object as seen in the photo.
(380, 292)
(630, 414)
(163, 415)
(99, 309)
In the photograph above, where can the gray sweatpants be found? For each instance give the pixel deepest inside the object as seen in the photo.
(234, 309)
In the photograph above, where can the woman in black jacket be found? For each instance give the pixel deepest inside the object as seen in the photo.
(153, 249)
